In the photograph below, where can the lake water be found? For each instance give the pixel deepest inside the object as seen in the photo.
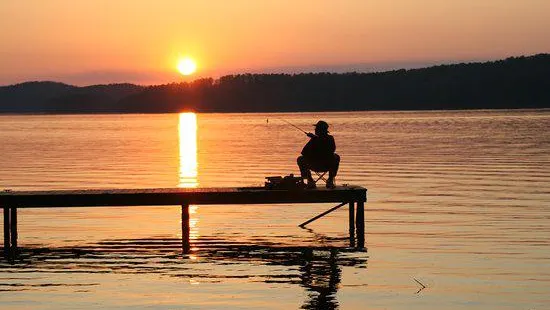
(459, 201)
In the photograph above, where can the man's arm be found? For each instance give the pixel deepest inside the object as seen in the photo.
(307, 151)
(332, 144)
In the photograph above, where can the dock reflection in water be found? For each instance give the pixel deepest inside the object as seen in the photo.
(317, 269)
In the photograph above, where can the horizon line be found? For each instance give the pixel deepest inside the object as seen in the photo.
(383, 67)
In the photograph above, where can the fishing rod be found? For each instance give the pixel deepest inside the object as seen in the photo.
(300, 129)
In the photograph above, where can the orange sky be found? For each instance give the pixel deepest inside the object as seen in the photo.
(103, 41)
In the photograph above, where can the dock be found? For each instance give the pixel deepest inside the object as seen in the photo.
(353, 196)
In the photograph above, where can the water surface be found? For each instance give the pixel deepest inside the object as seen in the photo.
(457, 200)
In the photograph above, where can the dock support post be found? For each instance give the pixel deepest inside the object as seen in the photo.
(185, 228)
(7, 228)
(360, 223)
(13, 223)
(352, 224)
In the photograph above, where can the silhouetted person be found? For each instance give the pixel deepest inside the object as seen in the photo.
(318, 155)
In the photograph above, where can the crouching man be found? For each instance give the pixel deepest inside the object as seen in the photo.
(318, 155)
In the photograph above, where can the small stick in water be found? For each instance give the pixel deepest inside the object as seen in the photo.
(423, 286)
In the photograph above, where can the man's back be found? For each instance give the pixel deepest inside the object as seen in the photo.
(320, 148)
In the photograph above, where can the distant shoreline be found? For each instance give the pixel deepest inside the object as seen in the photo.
(512, 83)
(281, 112)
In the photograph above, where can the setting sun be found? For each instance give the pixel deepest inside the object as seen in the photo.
(187, 66)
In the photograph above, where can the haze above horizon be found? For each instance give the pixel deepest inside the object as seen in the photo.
(140, 42)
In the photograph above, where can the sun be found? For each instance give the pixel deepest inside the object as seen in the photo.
(187, 66)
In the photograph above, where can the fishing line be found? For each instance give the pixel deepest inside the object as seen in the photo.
(300, 129)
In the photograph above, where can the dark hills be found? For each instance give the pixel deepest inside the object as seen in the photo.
(518, 82)
(53, 97)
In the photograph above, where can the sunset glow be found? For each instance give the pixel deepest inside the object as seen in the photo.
(140, 42)
(187, 66)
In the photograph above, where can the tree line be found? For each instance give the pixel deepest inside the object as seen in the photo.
(517, 82)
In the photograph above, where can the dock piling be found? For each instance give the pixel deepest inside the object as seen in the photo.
(360, 223)
(13, 230)
(185, 229)
(352, 224)
(7, 227)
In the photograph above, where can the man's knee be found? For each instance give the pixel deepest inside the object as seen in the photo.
(301, 161)
(336, 158)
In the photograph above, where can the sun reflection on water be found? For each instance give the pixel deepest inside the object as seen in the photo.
(194, 224)
(187, 132)
(188, 150)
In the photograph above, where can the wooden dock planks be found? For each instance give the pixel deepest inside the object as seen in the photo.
(177, 196)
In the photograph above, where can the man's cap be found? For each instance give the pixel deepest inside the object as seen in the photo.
(322, 125)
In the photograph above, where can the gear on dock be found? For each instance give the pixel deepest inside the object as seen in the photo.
(288, 182)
